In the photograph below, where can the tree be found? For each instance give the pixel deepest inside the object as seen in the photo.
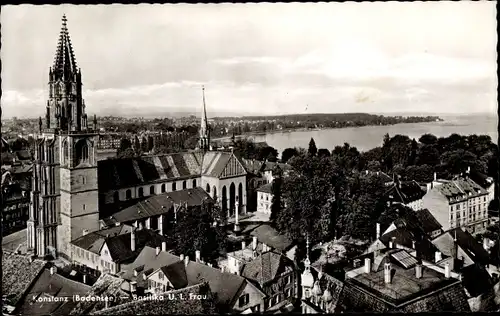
(195, 230)
(428, 139)
(413, 152)
(457, 161)
(125, 144)
(288, 153)
(191, 142)
(312, 147)
(427, 155)
(267, 152)
(422, 173)
(323, 152)
(373, 166)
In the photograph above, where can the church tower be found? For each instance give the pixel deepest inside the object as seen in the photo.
(65, 192)
(204, 142)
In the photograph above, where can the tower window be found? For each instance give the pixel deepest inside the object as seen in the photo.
(83, 207)
(163, 188)
(174, 186)
(152, 190)
(128, 194)
(184, 185)
(141, 192)
(194, 183)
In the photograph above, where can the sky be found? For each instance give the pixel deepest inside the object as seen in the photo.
(377, 57)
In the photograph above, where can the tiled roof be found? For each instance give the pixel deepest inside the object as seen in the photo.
(407, 192)
(93, 241)
(105, 286)
(265, 267)
(167, 306)
(270, 236)
(253, 166)
(384, 176)
(445, 244)
(266, 188)
(53, 286)
(119, 246)
(178, 280)
(130, 172)
(461, 187)
(428, 221)
(18, 273)
(270, 166)
(148, 262)
(162, 203)
(481, 179)
(476, 279)
(404, 237)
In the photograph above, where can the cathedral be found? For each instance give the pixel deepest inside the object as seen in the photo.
(70, 185)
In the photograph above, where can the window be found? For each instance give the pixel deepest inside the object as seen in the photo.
(243, 300)
(163, 188)
(194, 183)
(276, 299)
(106, 252)
(152, 190)
(174, 186)
(116, 196)
(208, 188)
(288, 292)
(184, 185)
(83, 207)
(129, 194)
(141, 192)
(161, 276)
(288, 279)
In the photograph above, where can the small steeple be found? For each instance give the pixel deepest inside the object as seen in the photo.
(95, 122)
(307, 277)
(40, 124)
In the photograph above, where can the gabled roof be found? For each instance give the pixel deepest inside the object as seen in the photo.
(222, 164)
(162, 203)
(253, 166)
(270, 236)
(265, 267)
(94, 241)
(473, 249)
(476, 279)
(53, 286)
(406, 192)
(404, 237)
(119, 246)
(147, 261)
(428, 221)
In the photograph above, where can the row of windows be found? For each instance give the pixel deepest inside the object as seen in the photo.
(152, 190)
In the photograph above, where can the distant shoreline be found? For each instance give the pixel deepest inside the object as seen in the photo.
(305, 129)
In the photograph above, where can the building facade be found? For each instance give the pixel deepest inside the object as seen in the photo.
(458, 203)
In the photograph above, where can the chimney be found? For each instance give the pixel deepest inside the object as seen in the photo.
(392, 243)
(437, 256)
(84, 279)
(413, 244)
(181, 257)
(197, 255)
(468, 170)
(377, 231)
(418, 271)
(186, 260)
(368, 265)
(447, 270)
(435, 176)
(135, 272)
(53, 270)
(133, 286)
(243, 245)
(387, 273)
(132, 240)
(254, 243)
(158, 250)
(164, 246)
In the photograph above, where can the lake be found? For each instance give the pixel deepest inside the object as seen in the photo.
(367, 137)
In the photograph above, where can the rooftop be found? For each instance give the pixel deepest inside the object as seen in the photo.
(270, 236)
(460, 189)
(266, 267)
(266, 188)
(52, 285)
(404, 285)
(168, 306)
(18, 273)
(445, 243)
(428, 221)
(162, 203)
(94, 241)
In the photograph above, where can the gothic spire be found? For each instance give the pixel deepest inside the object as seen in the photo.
(204, 123)
(64, 61)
